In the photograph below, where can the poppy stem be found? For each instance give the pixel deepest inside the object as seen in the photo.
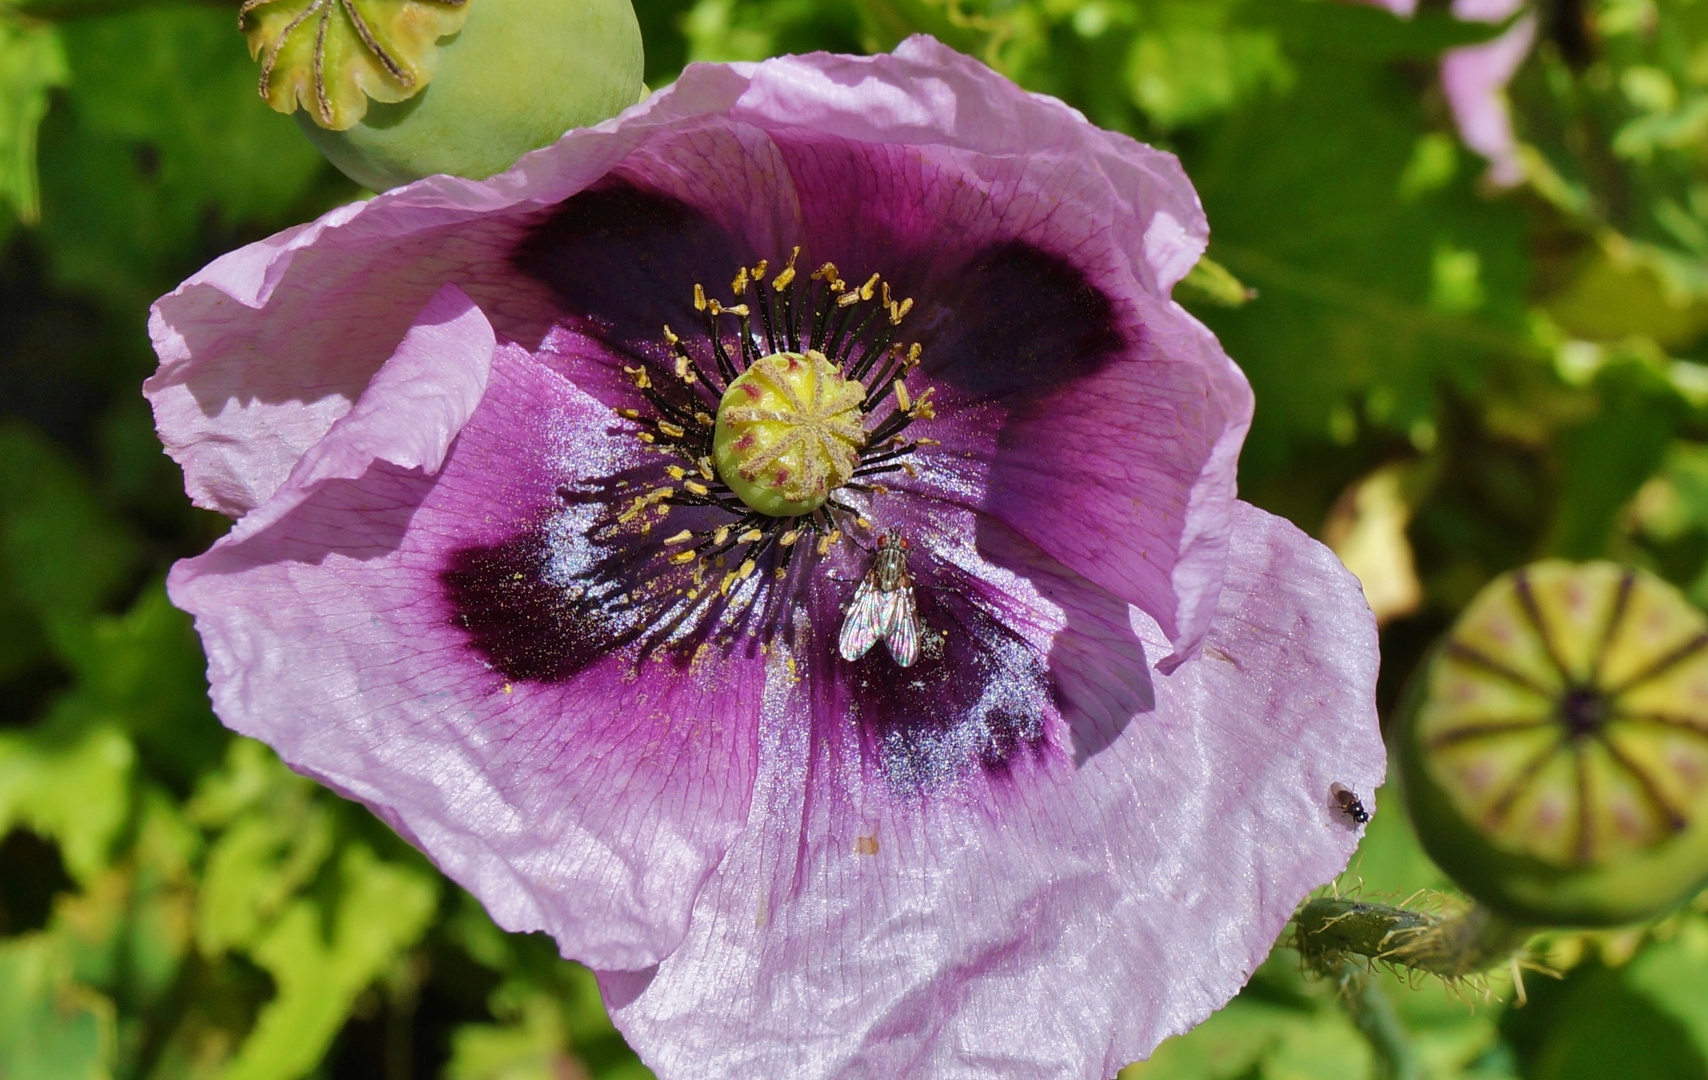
(1372, 1012)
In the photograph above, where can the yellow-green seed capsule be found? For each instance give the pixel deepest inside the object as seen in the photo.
(395, 90)
(1555, 747)
(789, 432)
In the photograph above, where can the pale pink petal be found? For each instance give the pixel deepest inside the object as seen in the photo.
(584, 800)
(1475, 79)
(1058, 924)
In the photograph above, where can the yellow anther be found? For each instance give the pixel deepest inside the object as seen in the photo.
(705, 465)
(680, 538)
(739, 310)
(670, 337)
(696, 487)
(746, 570)
(739, 286)
(887, 301)
(720, 536)
(913, 352)
(638, 375)
(848, 298)
(682, 371)
(675, 431)
(872, 283)
(751, 536)
(645, 436)
(759, 269)
(699, 297)
(827, 272)
(629, 414)
(676, 472)
(902, 400)
(682, 557)
(786, 276)
(716, 308)
(704, 418)
(788, 539)
(898, 312)
(828, 539)
(928, 442)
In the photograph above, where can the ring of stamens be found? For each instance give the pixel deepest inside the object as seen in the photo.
(852, 421)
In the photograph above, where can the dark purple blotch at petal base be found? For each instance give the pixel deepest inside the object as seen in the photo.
(1018, 318)
(980, 696)
(623, 262)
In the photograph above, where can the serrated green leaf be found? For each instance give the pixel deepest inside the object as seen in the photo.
(129, 929)
(533, 1047)
(31, 64)
(71, 786)
(255, 868)
(50, 1027)
(323, 954)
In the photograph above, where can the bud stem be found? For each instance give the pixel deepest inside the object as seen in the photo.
(1374, 1016)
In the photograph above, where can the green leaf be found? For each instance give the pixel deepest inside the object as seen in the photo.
(50, 1027)
(1606, 459)
(64, 553)
(323, 953)
(1231, 1043)
(1372, 293)
(276, 834)
(1673, 975)
(533, 1047)
(130, 928)
(1192, 60)
(162, 147)
(31, 64)
(71, 786)
(1595, 1025)
(145, 670)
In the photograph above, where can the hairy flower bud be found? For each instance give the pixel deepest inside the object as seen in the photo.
(398, 91)
(1555, 752)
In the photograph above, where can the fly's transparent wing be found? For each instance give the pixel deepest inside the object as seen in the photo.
(863, 625)
(901, 632)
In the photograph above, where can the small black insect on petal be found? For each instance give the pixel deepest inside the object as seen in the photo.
(1348, 802)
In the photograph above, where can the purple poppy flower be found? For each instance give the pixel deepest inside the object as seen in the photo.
(1474, 79)
(796, 666)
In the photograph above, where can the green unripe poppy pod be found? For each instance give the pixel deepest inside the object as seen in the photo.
(1554, 749)
(395, 90)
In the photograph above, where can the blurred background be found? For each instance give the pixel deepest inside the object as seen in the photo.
(1459, 368)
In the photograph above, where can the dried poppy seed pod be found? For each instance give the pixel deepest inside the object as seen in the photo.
(392, 92)
(1555, 752)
